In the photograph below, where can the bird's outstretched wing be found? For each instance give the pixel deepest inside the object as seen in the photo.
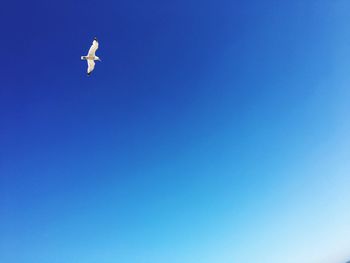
(93, 48)
(91, 66)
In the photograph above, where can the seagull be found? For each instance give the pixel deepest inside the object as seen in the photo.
(91, 57)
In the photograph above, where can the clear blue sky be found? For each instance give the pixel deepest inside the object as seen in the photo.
(211, 132)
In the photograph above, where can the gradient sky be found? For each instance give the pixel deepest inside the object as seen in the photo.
(211, 132)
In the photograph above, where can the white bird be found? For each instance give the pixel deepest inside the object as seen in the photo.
(91, 57)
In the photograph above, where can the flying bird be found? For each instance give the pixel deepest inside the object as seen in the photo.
(91, 57)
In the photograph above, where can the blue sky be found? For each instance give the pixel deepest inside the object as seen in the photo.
(212, 131)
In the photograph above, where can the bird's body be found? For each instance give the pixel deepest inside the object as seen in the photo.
(91, 57)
